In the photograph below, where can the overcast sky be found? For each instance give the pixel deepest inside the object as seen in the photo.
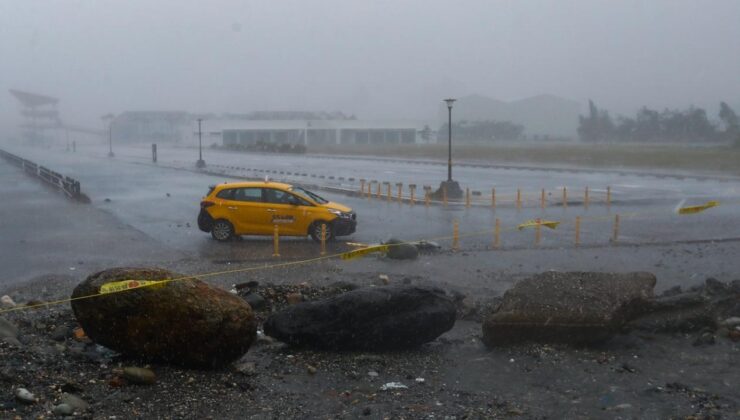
(379, 59)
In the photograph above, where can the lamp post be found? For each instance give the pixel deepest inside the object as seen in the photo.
(449, 101)
(200, 163)
(109, 118)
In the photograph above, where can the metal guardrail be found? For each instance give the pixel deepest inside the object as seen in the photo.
(69, 186)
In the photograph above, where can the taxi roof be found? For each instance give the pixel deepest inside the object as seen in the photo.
(247, 184)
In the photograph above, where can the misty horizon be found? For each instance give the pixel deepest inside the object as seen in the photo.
(382, 60)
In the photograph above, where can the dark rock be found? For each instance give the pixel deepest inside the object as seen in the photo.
(399, 250)
(256, 301)
(378, 318)
(575, 307)
(705, 339)
(185, 322)
(60, 333)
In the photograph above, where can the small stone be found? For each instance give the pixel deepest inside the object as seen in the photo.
(63, 410)
(25, 396)
(367, 411)
(731, 322)
(621, 407)
(294, 298)
(60, 333)
(140, 376)
(311, 370)
(256, 301)
(246, 368)
(76, 403)
(372, 374)
(7, 302)
(705, 339)
(9, 332)
(384, 279)
(419, 380)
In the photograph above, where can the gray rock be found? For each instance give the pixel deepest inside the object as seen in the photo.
(572, 307)
(25, 396)
(400, 250)
(76, 403)
(9, 332)
(139, 376)
(255, 300)
(375, 319)
(63, 410)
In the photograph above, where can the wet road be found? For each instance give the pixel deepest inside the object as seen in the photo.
(161, 202)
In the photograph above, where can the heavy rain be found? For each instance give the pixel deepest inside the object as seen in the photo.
(390, 210)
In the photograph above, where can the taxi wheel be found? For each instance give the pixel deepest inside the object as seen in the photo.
(222, 230)
(315, 231)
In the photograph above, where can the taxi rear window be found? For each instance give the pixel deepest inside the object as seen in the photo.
(227, 194)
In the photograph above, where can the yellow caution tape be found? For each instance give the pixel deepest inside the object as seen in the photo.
(362, 252)
(117, 286)
(698, 209)
(532, 223)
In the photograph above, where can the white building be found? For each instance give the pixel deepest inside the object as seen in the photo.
(310, 132)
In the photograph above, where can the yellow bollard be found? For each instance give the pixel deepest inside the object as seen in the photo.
(497, 234)
(493, 198)
(467, 197)
(444, 195)
(427, 196)
(455, 236)
(369, 190)
(518, 199)
(615, 234)
(323, 239)
(412, 189)
(400, 191)
(276, 241)
(542, 199)
(565, 197)
(608, 195)
(388, 191)
(578, 230)
(537, 233)
(377, 193)
(362, 186)
(585, 198)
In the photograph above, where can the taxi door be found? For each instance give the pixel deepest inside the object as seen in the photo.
(244, 209)
(285, 210)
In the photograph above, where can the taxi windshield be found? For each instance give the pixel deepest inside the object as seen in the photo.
(309, 194)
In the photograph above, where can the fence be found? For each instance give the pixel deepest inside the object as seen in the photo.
(69, 186)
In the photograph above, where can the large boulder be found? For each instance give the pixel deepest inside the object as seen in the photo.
(185, 322)
(371, 319)
(575, 307)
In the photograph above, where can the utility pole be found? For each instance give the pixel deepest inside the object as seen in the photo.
(200, 163)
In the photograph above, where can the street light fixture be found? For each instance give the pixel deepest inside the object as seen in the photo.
(109, 118)
(200, 163)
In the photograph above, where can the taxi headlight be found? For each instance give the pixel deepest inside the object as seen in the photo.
(341, 214)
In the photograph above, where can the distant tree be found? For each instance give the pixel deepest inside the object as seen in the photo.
(729, 118)
(597, 126)
(475, 131)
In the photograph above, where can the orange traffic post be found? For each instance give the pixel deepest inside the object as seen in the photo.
(585, 198)
(497, 234)
(608, 195)
(578, 230)
(388, 191)
(493, 198)
(427, 195)
(518, 199)
(542, 199)
(537, 233)
(444, 195)
(615, 233)
(362, 186)
(467, 197)
(412, 190)
(565, 197)
(377, 193)
(400, 191)
(323, 239)
(276, 241)
(455, 236)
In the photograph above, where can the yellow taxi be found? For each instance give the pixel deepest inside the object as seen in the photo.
(254, 208)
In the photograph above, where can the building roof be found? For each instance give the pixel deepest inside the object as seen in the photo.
(32, 99)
